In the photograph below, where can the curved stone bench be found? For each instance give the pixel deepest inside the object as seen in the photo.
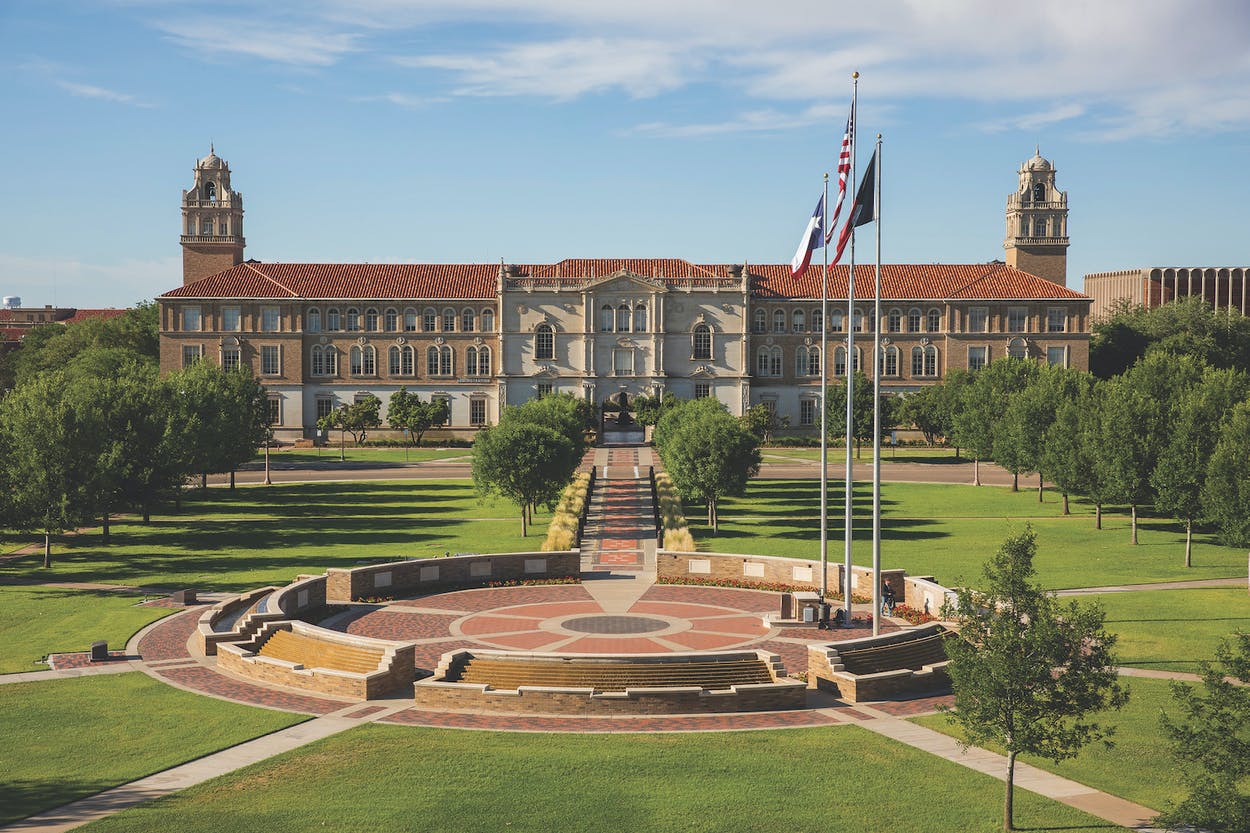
(901, 663)
(613, 684)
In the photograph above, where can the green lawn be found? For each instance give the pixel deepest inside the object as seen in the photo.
(330, 455)
(837, 454)
(37, 621)
(1138, 767)
(260, 535)
(381, 778)
(65, 739)
(1172, 630)
(950, 530)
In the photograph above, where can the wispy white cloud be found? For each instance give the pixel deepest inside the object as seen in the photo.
(753, 121)
(60, 75)
(1036, 120)
(566, 69)
(404, 100)
(272, 41)
(102, 93)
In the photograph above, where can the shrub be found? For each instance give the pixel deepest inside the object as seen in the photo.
(912, 615)
(562, 533)
(677, 535)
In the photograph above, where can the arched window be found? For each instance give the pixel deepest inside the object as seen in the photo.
(640, 319)
(779, 321)
(431, 361)
(392, 361)
(1039, 192)
(1017, 348)
(364, 361)
(356, 366)
(622, 319)
(408, 360)
(449, 320)
(859, 351)
(390, 320)
(934, 324)
(761, 321)
(353, 320)
(798, 321)
(605, 319)
(930, 361)
(333, 322)
(317, 361)
(817, 321)
(370, 360)
(313, 325)
(913, 320)
(488, 321)
(762, 361)
(206, 225)
(470, 361)
(371, 320)
(889, 361)
(1039, 227)
(410, 320)
(210, 191)
(839, 362)
(835, 321)
(917, 361)
(428, 319)
(468, 321)
(894, 322)
(544, 343)
(807, 361)
(702, 342)
(768, 361)
(859, 321)
(445, 364)
(483, 361)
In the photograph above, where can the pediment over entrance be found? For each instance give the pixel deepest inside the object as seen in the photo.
(547, 372)
(623, 280)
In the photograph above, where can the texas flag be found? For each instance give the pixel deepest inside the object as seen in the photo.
(813, 236)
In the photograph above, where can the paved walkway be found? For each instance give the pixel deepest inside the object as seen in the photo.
(620, 523)
(1163, 585)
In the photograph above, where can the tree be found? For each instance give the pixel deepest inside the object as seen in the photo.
(924, 410)
(222, 418)
(527, 464)
(407, 412)
(1226, 491)
(133, 333)
(648, 409)
(1068, 458)
(1029, 672)
(764, 421)
(1135, 419)
(1188, 326)
(1181, 472)
(709, 454)
(566, 414)
(1212, 734)
(861, 417)
(362, 416)
(1020, 439)
(982, 404)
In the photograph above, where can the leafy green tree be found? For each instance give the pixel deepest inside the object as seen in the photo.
(1134, 422)
(861, 407)
(925, 410)
(406, 412)
(1181, 472)
(647, 409)
(362, 416)
(48, 458)
(222, 418)
(562, 412)
(1188, 326)
(764, 422)
(1068, 458)
(527, 464)
(709, 454)
(1029, 672)
(1020, 441)
(134, 334)
(982, 404)
(1226, 491)
(1212, 735)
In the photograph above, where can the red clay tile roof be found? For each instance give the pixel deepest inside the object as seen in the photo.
(84, 314)
(13, 333)
(434, 281)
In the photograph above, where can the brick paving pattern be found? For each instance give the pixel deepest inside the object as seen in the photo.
(621, 515)
(61, 662)
(471, 601)
(914, 706)
(168, 640)
(210, 682)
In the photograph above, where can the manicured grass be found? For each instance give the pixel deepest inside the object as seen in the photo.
(330, 455)
(380, 778)
(260, 535)
(65, 739)
(950, 530)
(1138, 767)
(37, 621)
(1172, 630)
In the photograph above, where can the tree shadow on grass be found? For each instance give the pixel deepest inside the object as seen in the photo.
(26, 797)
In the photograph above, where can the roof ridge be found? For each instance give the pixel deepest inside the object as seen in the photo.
(292, 293)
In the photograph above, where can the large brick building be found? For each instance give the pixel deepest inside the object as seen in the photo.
(484, 336)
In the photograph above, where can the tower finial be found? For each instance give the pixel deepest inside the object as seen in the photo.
(211, 150)
(1037, 150)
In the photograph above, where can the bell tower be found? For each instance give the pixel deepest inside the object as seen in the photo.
(212, 221)
(1037, 223)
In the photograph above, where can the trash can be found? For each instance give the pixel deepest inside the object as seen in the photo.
(824, 612)
(809, 614)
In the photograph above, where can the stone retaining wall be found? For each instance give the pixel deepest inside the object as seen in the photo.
(433, 575)
(208, 632)
(825, 670)
(764, 568)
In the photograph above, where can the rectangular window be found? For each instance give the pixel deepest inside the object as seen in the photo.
(1017, 319)
(702, 390)
(191, 319)
(807, 412)
(1056, 320)
(978, 319)
(1057, 356)
(230, 319)
(477, 411)
(270, 320)
(325, 406)
(191, 353)
(229, 359)
(269, 363)
(275, 411)
(545, 389)
(623, 362)
(977, 357)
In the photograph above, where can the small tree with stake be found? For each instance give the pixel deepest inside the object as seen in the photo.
(1028, 672)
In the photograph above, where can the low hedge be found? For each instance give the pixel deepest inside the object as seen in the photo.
(677, 535)
(562, 533)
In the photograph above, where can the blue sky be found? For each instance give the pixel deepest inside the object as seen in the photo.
(533, 130)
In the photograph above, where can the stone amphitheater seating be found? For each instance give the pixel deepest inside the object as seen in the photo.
(612, 676)
(913, 655)
(316, 653)
(892, 665)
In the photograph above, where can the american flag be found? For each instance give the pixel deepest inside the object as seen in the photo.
(844, 170)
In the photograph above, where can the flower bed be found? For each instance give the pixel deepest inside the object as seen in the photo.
(912, 615)
(747, 584)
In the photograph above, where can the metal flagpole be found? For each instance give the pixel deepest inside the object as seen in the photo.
(850, 371)
(876, 410)
(824, 435)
